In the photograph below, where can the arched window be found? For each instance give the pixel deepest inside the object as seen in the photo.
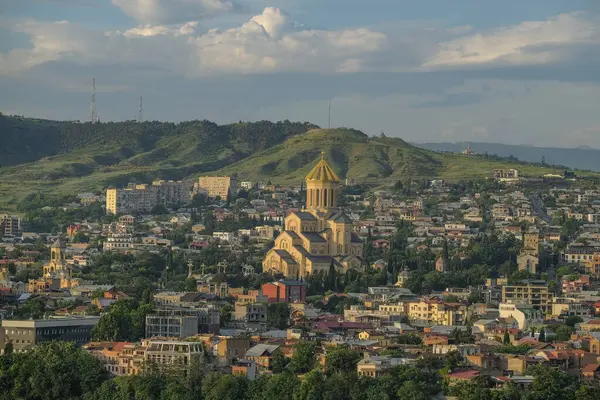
(325, 198)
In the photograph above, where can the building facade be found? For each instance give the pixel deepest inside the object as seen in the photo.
(142, 197)
(287, 291)
(24, 334)
(11, 225)
(172, 323)
(318, 236)
(534, 293)
(221, 186)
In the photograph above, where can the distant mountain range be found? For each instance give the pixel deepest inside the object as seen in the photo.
(584, 157)
(58, 157)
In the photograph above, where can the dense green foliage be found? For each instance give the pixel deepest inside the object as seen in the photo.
(278, 315)
(28, 140)
(50, 371)
(125, 321)
(63, 371)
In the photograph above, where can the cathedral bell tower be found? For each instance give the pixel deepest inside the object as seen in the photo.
(322, 187)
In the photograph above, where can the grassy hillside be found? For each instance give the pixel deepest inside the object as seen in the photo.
(69, 158)
(372, 160)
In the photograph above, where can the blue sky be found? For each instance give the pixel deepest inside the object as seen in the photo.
(519, 72)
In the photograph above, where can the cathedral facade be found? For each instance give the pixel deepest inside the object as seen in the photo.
(319, 235)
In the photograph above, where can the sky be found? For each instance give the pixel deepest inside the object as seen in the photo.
(511, 71)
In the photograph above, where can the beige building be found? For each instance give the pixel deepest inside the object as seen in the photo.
(143, 197)
(530, 292)
(435, 312)
(318, 236)
(528, 262)
(221, 186)
(11, 225)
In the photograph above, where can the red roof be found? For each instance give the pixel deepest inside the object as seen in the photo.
(590, 368)
(328, 325)
(119, 346)
(466, 375)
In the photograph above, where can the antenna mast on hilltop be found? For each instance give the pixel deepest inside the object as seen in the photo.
(93, 112)
(329, 117)
(141, 111)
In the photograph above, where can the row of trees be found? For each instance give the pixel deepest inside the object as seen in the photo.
(64, 371)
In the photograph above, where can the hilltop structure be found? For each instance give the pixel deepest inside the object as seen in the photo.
(318, 236)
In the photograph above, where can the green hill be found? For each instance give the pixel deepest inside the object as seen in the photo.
(378, 160)
(69, 157)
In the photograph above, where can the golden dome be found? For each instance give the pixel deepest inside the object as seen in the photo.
(322, 172)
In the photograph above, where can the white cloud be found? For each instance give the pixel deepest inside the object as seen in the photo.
(267, 42)
(530, 42)
(272, 42)
(170, 11)
(186, 29)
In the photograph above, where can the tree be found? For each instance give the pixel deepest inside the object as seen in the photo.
(304, 357)
(33, 308)
(452, 360)
(53, 370)
(506, 340)
(311, 387)
(279, 387)
(279, 362)
(563, 333)
(542, 337)
(225, 314)
(341, 360)
(159, 209)
(125, 321)
(573, 320)
(80, 237)
(278, 315)
(224, 387)
(190, 285)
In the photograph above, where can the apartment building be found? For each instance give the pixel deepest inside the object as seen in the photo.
(119, 358)
(118, 241)
(172, 323)
(143, 197)
(533, 292)
(221, 186)
(375, 366)
(505, 174)
(435, 312)
(170, 354)
(250, 313)
(285, 290)
(11, 225)
(578, 254)
(592, 266)
(24, 334)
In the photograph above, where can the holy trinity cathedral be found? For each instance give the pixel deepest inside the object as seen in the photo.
(317, 236)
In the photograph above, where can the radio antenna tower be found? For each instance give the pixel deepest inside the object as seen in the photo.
(93, 112)
(329, 116)
(141, 111)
